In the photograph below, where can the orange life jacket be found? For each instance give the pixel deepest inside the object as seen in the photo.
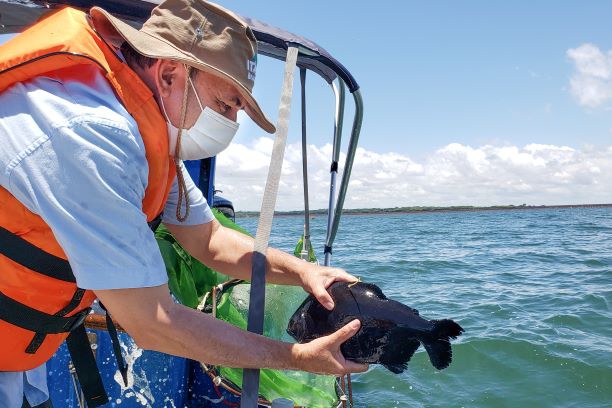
(31, 284)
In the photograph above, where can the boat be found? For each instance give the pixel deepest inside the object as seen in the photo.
(156, 379)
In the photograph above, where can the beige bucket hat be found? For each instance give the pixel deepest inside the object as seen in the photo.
(198, 33)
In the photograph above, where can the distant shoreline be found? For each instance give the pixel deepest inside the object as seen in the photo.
(418, 210)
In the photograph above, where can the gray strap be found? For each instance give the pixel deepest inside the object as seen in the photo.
(250, 379)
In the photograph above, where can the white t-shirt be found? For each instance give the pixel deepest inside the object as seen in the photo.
(71, 153)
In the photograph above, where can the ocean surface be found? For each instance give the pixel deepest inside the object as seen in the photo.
(531, 288)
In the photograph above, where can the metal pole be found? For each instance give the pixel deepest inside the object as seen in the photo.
(306, 242)
(346, 174)
(339, 92)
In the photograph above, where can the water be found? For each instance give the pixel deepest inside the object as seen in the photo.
(532, 289)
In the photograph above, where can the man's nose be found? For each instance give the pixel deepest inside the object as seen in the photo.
(232, 114)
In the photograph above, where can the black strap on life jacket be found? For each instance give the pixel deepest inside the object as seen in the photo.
(24, 253)
(86, 368)
(18, 314)
(40, 335)
(112, 331)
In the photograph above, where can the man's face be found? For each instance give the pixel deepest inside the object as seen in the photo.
(217, 93)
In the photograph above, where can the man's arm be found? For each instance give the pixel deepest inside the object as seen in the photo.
(230, 252)
(157, 323)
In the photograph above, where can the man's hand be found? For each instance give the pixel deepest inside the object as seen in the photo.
(323, 355)
(316, 279)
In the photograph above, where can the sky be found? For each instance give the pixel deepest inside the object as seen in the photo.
(465, 103)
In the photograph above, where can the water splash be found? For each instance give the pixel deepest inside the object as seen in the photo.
(138, 385)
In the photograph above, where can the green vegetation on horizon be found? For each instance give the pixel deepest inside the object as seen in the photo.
(416, 209)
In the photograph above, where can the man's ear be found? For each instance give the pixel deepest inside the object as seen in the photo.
(167, 73)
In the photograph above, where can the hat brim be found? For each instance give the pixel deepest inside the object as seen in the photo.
(116, 31)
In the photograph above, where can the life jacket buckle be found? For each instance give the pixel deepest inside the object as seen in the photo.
(77, 319)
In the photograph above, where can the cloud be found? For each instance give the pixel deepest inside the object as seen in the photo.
(456, 174)
(591, 83)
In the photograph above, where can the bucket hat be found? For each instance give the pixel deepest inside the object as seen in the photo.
(198, 33)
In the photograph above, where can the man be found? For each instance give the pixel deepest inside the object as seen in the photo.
(95, 117)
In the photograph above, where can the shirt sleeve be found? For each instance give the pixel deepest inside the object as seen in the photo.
(199, 211)
(87, 179)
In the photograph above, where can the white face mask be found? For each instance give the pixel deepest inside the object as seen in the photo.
(211, 134)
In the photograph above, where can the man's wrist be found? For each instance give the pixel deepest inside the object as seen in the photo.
(302, 270)
(287, 356)
(298, 270)
(296, 359)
